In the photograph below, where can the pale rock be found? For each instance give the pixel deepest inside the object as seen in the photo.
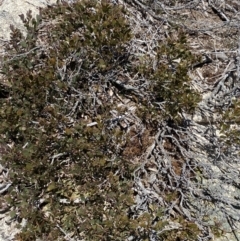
(11, 9)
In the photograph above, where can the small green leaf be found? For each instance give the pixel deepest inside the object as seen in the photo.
(52, 186)
(12, 214)
(102, 64)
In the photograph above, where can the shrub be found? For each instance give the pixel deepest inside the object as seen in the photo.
(71, 161)
(170, 85)
(61, 167)
(229, 125)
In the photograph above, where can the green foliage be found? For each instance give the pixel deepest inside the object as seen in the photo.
(69, 174)
(55, 158)
(171, 80)
(229, 124)
(187, 231)
(171, 85)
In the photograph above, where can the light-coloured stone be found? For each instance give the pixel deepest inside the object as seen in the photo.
(11, 9)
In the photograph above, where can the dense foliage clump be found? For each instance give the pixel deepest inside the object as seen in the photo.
(170, 82)
(55, 155)
(229, 125)
(71, 158)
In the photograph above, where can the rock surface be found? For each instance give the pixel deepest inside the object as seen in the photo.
(11, 9)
